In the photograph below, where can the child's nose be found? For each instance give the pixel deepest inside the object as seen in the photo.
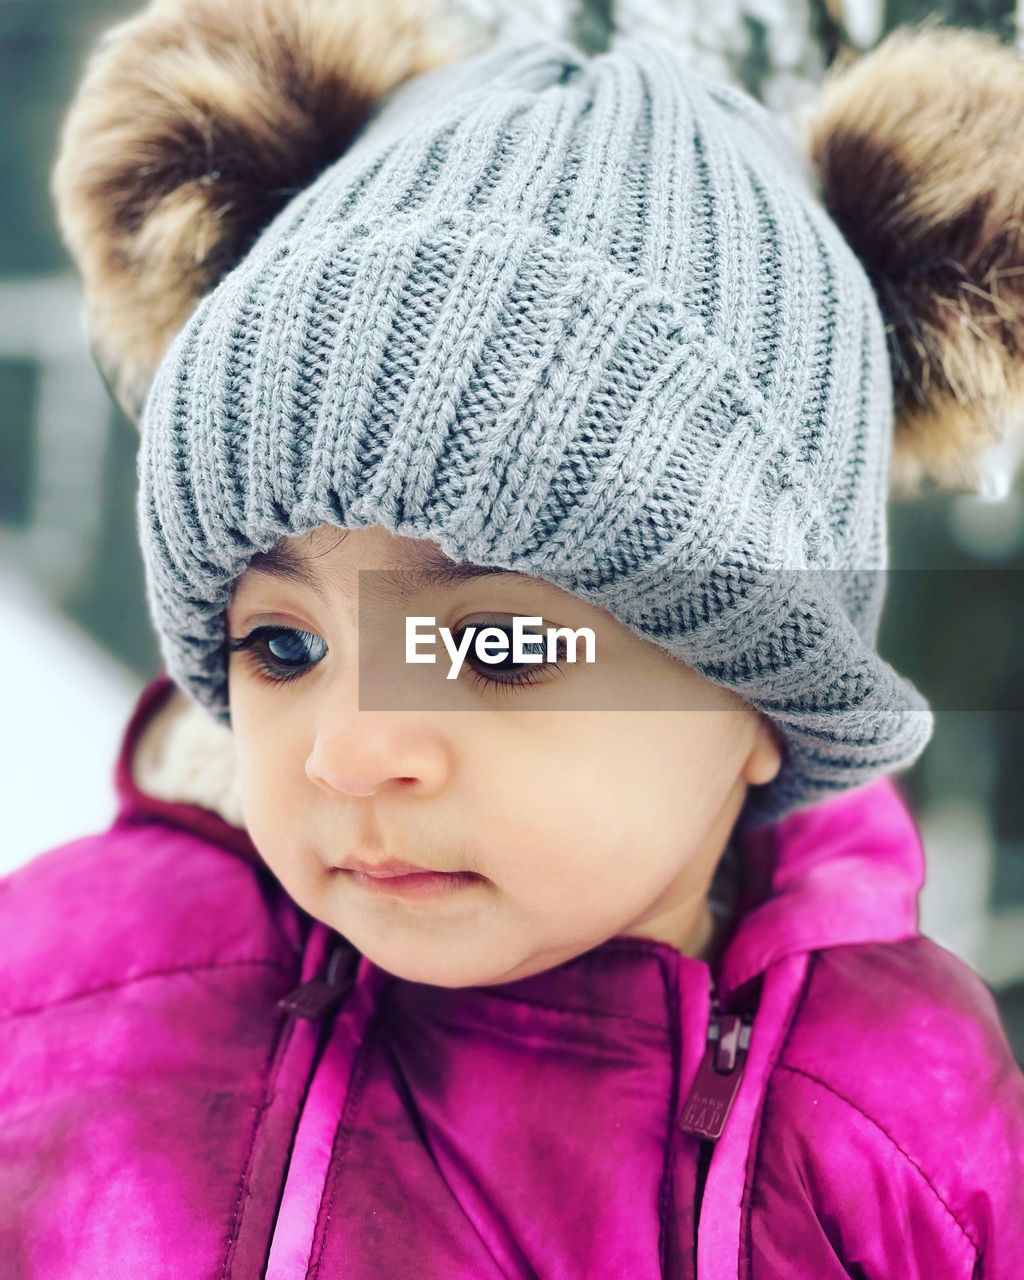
(365, 753)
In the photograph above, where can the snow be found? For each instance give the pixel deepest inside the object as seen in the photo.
(65, 706)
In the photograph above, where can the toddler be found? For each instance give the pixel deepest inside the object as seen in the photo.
(620, 976)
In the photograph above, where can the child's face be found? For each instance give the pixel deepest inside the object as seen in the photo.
(579, 823)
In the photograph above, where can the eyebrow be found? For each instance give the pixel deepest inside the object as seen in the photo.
(283, 562)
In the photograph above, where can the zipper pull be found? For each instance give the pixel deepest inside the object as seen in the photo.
(718, 1077)
(315, 998)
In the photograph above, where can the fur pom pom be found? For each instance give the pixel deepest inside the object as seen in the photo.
(195, 123)
(918, 149)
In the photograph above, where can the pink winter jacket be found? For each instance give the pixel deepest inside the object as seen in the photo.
(162, 1115)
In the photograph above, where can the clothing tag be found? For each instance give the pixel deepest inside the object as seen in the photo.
(718, 1078)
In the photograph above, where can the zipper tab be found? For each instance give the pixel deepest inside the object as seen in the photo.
(718, 1077)
(318, 996)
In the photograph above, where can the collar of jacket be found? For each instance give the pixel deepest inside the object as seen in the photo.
(845, 871)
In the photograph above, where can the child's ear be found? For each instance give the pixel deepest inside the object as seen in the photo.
(765, 758)
(918, 151)
(195, 123)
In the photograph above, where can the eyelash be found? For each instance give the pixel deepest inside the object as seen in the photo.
(269, 669)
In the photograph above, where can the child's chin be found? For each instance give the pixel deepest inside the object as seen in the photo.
(438, 970)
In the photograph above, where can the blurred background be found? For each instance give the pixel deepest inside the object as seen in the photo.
(73, 619)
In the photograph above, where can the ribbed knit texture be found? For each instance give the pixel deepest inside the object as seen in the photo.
(579, 317)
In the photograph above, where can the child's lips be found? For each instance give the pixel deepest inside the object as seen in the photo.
(385, 868)
(417, 885)
(405, 879)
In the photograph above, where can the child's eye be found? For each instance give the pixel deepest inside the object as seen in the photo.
(281, 654)
(507, 674)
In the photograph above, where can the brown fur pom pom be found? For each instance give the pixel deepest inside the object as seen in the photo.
(194, 125)
(918, 149)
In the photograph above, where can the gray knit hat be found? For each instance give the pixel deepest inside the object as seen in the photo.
(583, 318)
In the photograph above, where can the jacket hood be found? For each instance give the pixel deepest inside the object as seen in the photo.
(845, 871)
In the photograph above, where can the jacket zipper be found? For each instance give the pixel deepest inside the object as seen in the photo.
(318, 996)
(718, 1076)
(714, 1090)
(311, 1000)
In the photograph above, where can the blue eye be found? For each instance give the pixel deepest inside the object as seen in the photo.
(281, 654)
